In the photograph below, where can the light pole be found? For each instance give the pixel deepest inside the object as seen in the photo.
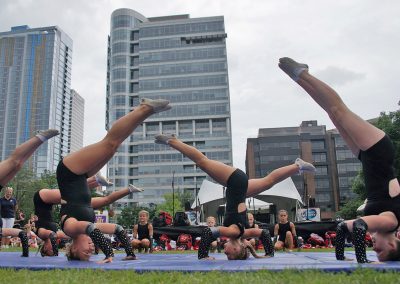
(173, 194)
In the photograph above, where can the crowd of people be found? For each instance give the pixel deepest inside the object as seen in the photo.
(78, 172)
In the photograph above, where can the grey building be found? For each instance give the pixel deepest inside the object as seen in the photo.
(336, 165)
(181, 59)
(35, 78)
(77, 113)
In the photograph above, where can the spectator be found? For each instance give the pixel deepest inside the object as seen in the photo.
(143, 233)
(252, 224)
(211, 222)
(19, 219)
(8, 207)
(284, 232)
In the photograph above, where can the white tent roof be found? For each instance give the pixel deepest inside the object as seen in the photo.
(283, 191)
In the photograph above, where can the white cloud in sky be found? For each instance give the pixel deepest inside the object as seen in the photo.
(352, 44)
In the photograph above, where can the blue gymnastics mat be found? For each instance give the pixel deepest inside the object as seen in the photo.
(324, 261)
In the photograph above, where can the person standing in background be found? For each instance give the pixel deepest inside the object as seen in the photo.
(8, 207)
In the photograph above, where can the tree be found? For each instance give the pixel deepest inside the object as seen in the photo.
(170, 206)
(26, 183)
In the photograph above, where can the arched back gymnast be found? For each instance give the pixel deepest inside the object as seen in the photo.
(77, 215)
(44, 200)
(238, 187)
(376, 153)
(10, 167)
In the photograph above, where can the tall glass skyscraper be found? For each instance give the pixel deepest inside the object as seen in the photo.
(181, 59)
(77, 113)
(35, 78)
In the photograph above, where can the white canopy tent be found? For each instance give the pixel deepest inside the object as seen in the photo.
(284, 195)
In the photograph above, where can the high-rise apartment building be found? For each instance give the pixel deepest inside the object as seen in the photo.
(180, 59)
(335, 165)
(77, 113)
(35, 78)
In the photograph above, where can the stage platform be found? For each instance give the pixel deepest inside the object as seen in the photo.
(324, 261)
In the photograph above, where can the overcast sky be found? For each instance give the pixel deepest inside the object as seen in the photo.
(354, 45)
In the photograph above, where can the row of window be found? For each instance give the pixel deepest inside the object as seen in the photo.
(184, 82)
(185, 68)
(344, 154)
(181, 29)
(349, 167)
(180, 55)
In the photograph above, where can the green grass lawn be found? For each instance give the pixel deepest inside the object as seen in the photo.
(287, 276)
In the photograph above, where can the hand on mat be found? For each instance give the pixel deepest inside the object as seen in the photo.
(208, 258)
(130, 257)
(106, 260)
(376, 262)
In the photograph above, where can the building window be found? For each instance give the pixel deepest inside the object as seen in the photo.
(318, 144)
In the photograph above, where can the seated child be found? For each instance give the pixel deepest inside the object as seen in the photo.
(252, 224)
(284, 232)
(211, 222)
(143, 233)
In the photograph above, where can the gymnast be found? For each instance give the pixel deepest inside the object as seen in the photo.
(77, 215)
(238, 187)
(44, 199)
(376, 152)
(10, 167)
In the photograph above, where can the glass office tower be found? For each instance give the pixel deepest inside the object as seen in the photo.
(35, 78)
(181, 59)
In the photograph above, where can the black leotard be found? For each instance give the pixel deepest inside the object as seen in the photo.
(143, 232)
(44, 213)
(75, 191)
(235, 194)
(378, 167)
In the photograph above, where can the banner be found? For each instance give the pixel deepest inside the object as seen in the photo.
(312, 214)
(101, 216)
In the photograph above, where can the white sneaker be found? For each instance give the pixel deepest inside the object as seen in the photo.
(158, 105)
(164, 139)
(292, 68)
(102, 180)
(133, 188)
(304, 167)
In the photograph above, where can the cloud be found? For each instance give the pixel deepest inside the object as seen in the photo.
(339, 76)
(350, 44)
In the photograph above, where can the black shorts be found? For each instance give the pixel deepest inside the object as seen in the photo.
(236, 189)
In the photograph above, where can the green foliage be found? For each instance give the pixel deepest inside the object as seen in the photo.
(349, 211)
(25, 184)
(171, 204)
(358, 186)
(130, 215)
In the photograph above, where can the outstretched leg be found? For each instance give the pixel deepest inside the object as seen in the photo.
(10, 167)
(220, 172)
(358, 133)
(259, 185)
(89, 160)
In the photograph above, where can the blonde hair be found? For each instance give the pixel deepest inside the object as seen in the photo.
(283, 210)
(70, 252)
(144, 212)
(245, 251)
(211, 217)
